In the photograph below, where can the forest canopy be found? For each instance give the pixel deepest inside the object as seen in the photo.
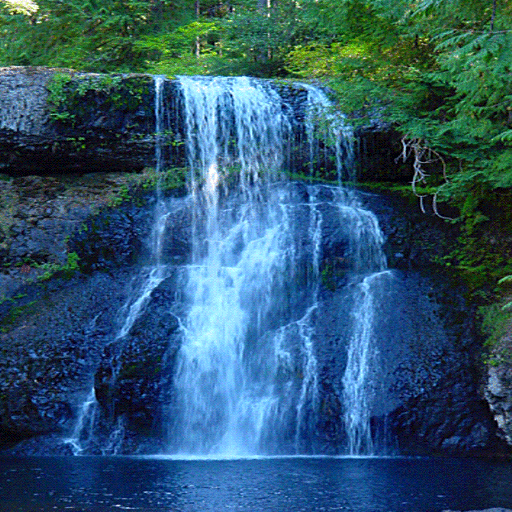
(440, 71)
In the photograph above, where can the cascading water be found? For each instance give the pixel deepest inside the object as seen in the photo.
(242, 248)
(247, 374)
(157, 270)
(247, 378)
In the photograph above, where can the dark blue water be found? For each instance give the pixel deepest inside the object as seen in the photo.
(279, 485)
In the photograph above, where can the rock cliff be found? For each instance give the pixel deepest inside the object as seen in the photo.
(59, 121)
(59, 132)
(498, 392)
(61, 340)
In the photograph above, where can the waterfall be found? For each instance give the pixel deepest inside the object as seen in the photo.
(367, 281)
(247, 378)
(247, 375)
(157, 270)
(241, 253)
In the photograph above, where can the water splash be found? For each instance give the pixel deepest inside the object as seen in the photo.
(82, 435)
(361, 363)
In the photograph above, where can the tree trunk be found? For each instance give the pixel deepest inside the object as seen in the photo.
(197, 7)
(493, 17)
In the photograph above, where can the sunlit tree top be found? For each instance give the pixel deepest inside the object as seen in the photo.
(21, 6)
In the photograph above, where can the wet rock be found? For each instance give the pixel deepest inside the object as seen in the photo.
(133, 382)
(48, 356)
(74, 123)
(498, 392)
(428, 389)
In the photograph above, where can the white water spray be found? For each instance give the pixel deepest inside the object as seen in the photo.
(243, 260)
(361, 363)
(247, 377)
(157, 271)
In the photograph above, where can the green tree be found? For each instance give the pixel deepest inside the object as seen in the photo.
(90, 35)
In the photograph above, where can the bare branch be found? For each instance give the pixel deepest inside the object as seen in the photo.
(423, 156)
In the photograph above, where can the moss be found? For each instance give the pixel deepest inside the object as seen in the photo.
(403, 190)
(16, 312)
(497, 328)
(168, 180)
(57, 97)
(66, 270)
(318, 177)
(149, 367)
(106, 93)
(9, 199)
(137, 186)
(333, 273)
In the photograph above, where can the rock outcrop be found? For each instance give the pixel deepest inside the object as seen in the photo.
(60, 121)
(498, 392)
(39, 215)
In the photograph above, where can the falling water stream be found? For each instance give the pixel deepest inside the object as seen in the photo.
(240, 336)
(246, 380)
(82, 435)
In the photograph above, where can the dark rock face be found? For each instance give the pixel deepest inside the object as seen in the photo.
(134, 378)
(48, 356)
(378, 159)
(425, 388)
(442, 371)
(426, 399)
(84, 122)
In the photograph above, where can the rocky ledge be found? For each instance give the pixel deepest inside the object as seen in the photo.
(63, 121)
(54, 120)
(38, 215)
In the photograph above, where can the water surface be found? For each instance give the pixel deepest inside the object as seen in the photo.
(100, 484)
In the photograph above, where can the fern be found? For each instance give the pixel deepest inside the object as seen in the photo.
(507, 306)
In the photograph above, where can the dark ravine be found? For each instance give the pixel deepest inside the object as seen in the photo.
(57, 332)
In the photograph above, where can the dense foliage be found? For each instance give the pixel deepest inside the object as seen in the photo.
(438, 70)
